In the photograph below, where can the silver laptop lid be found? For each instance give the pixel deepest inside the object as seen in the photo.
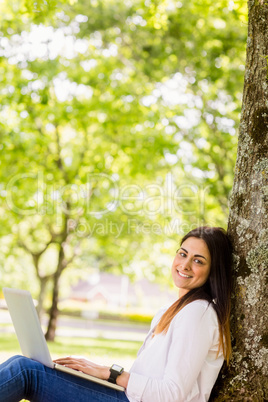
(27, 326)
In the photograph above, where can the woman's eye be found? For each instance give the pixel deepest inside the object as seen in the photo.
(198, 261)
(182, 254)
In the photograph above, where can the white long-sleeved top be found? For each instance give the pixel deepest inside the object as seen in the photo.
(181, 365)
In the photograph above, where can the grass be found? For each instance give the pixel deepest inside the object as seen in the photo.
(99, 348)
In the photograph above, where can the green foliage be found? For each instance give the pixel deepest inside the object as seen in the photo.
(137, 318)
(118, 129)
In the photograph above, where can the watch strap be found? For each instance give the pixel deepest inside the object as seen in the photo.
(114, 373)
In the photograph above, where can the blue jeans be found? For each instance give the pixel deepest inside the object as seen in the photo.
(21, 378)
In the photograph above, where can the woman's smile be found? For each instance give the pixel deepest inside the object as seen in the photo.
(183, 275)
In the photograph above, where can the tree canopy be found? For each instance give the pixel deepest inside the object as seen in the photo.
(115, 120)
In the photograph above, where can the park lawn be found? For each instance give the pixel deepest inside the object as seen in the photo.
(93, 348)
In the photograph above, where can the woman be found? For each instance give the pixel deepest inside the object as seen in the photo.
(182, 353)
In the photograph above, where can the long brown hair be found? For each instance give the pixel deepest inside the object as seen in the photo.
(216, 290)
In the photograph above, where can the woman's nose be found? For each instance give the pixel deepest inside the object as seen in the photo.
(185, 265)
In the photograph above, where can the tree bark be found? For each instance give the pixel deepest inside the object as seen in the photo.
(246, 377)
(42, 293)
(53, 315)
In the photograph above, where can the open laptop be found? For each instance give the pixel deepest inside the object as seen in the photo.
(30, 335)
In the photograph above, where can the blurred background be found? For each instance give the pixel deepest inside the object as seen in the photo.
(118, 134)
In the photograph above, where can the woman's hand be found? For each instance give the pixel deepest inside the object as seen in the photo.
(84, 365)
(88, 367)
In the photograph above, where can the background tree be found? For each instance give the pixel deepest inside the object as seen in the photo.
(246, 379)
(96, 97)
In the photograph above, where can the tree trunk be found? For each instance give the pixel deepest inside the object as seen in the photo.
(43, 283)
(246, 377)
(52, 324)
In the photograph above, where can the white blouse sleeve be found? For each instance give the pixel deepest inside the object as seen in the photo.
(192, 333)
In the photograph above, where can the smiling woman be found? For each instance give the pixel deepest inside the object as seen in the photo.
(202, 270)
(181, 356)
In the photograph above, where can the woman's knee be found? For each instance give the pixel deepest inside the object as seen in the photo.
(22, 362)
(19, 359)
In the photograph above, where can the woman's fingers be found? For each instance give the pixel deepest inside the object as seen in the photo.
(85, 366)
(71, 360)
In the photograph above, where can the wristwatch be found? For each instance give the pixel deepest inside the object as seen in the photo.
(115, 371)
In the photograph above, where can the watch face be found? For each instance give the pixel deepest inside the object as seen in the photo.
(116, 367)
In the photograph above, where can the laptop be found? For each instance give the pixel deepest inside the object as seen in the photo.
(30, 335)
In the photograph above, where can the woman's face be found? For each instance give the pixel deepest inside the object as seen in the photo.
(191, 265)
